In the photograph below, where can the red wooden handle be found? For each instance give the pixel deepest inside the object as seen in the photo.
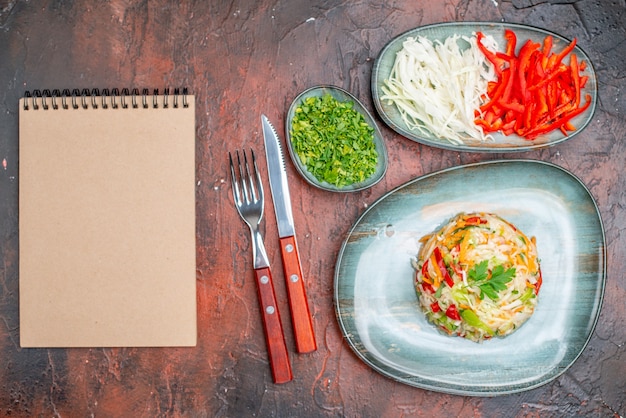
(300, 314)
(274, 337)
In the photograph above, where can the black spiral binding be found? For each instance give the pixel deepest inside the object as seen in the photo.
(105, 99)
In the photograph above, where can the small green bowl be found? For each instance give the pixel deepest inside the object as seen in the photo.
(342, 96)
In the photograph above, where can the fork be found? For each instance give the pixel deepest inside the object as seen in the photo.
(248, 196)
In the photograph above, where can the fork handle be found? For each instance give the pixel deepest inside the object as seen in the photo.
(274, 337)
(296, 292)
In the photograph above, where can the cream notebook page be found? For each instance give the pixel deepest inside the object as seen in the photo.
(107, 224)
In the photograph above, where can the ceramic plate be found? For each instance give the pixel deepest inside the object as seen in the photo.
(342, 96)
(391, 116)
(377, 307)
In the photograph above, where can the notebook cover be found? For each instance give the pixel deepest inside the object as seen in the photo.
(107, 226)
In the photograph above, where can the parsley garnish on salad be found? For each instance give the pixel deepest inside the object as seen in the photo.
(490, 283)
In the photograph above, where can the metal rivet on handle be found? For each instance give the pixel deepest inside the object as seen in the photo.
(270, 310)
(265, 279)
(289, 248)
(294, 278)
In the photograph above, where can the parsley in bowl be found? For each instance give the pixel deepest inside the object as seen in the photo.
(334, 141)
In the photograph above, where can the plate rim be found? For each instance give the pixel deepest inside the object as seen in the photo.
(442, 144)
(454, 389)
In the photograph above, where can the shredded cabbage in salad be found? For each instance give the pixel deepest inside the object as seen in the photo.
(478, 277)
(437, 86)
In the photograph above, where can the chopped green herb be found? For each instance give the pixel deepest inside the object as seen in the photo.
(334, 141)
(479, 272)
(490, 286)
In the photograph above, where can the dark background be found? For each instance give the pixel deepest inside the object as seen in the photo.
(240, 59)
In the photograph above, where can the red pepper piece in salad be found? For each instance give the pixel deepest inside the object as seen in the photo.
(453, 313)
(475, 220)
(442, 267)
(428, 287)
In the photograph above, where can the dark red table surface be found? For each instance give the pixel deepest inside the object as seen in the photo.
(241, 59)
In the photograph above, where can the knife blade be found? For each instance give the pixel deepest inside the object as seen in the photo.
(301, 320)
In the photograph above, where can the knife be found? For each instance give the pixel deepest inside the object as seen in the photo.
(296, 292)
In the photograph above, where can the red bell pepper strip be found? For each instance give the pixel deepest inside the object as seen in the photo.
(514, 106)
(511, 42)
(475, 220)
(549, 77)
(435, 307)
(547, 45)
(509, 82)
(442, 267)
(568, 126)
(563, 119)
(566, 51)
(524, 59)
(499, 91)
(453, 313)
(509, 127)
(425, 268)
(428, 287)
(575, 78)
(535, 92)
(539, 283)
(497, 62)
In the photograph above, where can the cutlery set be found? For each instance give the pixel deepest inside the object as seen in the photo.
(249, 200)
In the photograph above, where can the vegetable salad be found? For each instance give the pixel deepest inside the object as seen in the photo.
(478, 277)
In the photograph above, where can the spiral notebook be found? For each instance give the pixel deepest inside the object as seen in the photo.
(107, 219)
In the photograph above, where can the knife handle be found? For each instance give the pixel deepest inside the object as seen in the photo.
(274, 337)
(298, 303)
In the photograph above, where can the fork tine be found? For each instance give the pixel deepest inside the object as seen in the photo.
(244, 176)
(247, 185)
(250, 192)
(259, 186)
(256, 187)
(236, 192)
